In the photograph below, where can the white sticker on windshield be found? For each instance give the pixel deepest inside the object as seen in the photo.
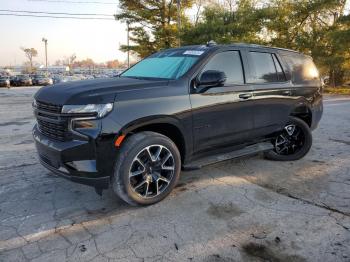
(193, 52)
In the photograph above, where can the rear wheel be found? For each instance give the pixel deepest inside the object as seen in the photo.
(293, 143)
(147, 168)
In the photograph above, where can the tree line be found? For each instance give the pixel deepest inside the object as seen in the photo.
(70, 61)
(320, 28)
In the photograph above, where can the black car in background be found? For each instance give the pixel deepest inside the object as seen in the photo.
(4, 82)
(178, 109)
(41, 80)
(21, 80)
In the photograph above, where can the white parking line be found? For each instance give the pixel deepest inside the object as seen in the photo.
(338, 104)
(337, 99)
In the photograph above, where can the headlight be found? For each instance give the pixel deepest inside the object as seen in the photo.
(34, 103)
(100, 109)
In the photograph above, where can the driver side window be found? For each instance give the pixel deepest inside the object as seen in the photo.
(228, 62)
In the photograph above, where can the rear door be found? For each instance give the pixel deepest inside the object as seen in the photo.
(223, 116)
(272, 91)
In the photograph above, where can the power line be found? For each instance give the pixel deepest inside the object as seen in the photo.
(75, 2)
(60, 17)
(49, 13)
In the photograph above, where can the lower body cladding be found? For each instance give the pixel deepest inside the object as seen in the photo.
(88, 162)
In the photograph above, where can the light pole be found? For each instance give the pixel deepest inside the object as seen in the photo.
(128, 29)
(45, 41)
(179, 20)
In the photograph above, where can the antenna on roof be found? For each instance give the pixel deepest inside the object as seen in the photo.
(211, 43)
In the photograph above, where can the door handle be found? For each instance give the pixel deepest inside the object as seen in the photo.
(287, 92)
(245, 95)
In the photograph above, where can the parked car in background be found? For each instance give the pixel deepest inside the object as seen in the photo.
(21, 80)
(12, 80)
(4, 82)
(57, 79)
(41, 80)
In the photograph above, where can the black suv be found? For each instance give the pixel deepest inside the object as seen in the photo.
(178, 109)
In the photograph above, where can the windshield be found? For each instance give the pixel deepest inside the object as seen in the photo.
(170, 64)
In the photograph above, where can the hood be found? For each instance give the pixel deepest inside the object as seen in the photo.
(96, 91)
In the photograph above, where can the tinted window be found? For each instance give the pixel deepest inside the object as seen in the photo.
(228, 62)
(280, 74)
(264, 67)
(303, 68)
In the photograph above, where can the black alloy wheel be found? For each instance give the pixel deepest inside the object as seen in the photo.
(292, 143)
(151, 171)
(147, 168)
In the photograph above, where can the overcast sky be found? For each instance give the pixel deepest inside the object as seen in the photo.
(96, 39)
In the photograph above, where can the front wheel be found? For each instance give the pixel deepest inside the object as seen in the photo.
(147, 168)
(293, 143)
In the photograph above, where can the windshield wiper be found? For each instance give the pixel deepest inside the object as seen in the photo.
(146, 78)
(135, 77)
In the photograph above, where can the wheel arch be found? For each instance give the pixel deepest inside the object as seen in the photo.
(303, 112)
(165, 125)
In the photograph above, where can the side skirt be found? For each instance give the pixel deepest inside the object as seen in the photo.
(246, 151)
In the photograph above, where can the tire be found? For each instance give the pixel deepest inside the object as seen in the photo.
(138, 162)
(304, 144)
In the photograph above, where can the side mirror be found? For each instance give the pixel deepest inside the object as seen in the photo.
(212, 78)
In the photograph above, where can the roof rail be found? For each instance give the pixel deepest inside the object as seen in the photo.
(211, 43)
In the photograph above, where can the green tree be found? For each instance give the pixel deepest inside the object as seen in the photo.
(153, 24)
(317, 27)
(314, 27)
(224, 24)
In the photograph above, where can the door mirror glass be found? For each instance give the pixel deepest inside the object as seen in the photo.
(212, 78)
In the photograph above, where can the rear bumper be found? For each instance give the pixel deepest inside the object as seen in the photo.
(73, 160)
(317, 111)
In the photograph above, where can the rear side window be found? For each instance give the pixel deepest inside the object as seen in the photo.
(302, 67)
(228, 62)
(266, 68)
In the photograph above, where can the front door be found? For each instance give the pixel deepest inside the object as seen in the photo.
(223, 116)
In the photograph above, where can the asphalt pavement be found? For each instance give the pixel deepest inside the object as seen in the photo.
(248, 209)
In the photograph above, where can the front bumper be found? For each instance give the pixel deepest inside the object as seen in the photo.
(4, 84)
(74, 160)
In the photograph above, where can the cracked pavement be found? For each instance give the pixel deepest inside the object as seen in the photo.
(247, 209)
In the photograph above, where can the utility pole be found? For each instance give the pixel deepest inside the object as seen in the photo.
(179, 21)
(128, 30)
(45, 41)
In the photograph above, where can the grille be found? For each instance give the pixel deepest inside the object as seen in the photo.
(58, 131)
(51, 123)
(49, 107)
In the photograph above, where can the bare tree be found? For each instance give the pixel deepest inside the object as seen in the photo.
(30, 53)
(71, 60)
(59, 62)
(198, 5)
